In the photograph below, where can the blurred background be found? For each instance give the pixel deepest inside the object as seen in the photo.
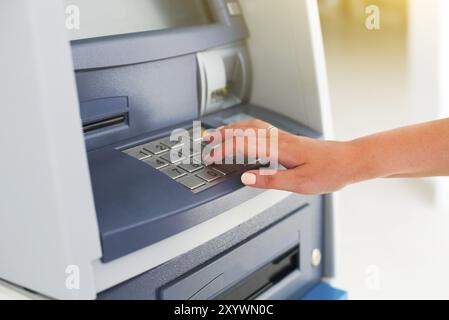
(393, 235)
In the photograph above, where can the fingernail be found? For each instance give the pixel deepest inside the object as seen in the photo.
(249, 179)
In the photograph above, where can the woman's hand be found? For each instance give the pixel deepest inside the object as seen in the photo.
(316, 167)
(312, 166)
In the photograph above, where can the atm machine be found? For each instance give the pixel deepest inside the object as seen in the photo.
(91, 206)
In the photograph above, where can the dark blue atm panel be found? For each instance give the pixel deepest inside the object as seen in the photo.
(270, 252)
(138, 205)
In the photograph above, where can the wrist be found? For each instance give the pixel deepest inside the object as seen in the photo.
(364, 165)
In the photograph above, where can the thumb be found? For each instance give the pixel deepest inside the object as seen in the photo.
(280, 179)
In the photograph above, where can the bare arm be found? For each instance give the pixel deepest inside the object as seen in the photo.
(316, 167)
(415, 151)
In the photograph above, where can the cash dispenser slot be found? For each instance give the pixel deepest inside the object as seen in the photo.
(264, 278)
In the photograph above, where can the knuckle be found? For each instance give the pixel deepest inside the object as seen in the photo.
(258, 123)
(254, 122)
(266, 180)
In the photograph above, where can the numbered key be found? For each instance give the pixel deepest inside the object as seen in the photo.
(175, 156)
(193, 167)
(191, 182)
(138, 153)
(208, 175)
(174, 172)
(155, 147)
(156, 163)
(172, 144)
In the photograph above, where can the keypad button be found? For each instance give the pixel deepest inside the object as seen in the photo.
(155, 147)
(138, 153)
(174, 156)
(172, 144)
(196, 148)
(174, 172)
(192, 182)
(209, 175)
(193, 167)
(156, 163)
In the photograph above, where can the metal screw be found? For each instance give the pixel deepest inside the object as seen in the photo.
(316, 257)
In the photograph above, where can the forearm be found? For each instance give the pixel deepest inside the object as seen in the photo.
(414, 151)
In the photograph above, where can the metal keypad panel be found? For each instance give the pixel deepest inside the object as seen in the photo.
(167, 157)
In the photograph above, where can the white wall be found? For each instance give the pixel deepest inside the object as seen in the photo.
(429, 70)
(393, 240)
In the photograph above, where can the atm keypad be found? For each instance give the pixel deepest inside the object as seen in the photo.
(168, 158)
